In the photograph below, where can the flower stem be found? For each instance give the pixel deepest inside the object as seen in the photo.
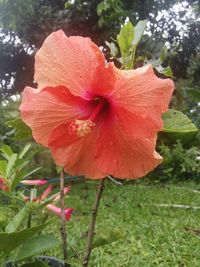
(63, 223)
(92, 223)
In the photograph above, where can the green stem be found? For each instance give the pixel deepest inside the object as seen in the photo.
(133, 57)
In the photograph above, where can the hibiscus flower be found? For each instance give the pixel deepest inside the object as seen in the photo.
(95, 119)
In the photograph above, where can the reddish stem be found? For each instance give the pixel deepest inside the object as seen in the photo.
(63, 222)
(92, 224)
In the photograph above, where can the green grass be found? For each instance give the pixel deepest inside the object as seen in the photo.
(153, 236)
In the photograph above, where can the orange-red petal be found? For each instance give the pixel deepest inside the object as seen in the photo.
(105, 151)
(120, 154)
(76, 154)
(73, 62)
(122, 144)
(143, 95)
(43, 110)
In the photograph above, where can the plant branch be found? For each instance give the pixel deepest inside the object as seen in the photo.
(86, 258)
(63, 223)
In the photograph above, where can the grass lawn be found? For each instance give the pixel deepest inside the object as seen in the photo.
(152, 236)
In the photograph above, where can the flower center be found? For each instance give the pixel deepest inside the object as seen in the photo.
(81, 128)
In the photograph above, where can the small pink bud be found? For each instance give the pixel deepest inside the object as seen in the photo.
(3, 185)
(68, 213)
(34, 182)
(46, 192)
(1, 180)
(57, 211)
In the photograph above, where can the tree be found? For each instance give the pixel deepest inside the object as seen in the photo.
(25, 24)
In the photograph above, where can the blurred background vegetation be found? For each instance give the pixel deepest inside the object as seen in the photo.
(176, 24)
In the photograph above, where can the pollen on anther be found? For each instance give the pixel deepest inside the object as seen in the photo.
(80, 127)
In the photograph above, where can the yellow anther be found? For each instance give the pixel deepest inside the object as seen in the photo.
(81, 127)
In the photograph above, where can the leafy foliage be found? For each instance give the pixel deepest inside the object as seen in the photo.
(25, 24)
(13, 168)
(180, 163)
(17, 220)
(178, 126)
(21, 130)
(36, 246)
(10, 241)
(128, 39)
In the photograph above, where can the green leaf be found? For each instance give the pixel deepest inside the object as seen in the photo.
(107, 238)
(16, 180)
(36, 246)
(24, 151)
(7, 151)
(21, 163)
(128, 39)
(178, 126)
(33, 194)
(125, 37)
(31, 172)
(22, 131)
(3, 166)
(10, 241)
(10, 165)
(194, 94)
(44, 203)
(9, 195)
(157, 63)
(17, 220)
(167, 71)
(138, 32)
(163, 53)
(22, 175)
(113, 49)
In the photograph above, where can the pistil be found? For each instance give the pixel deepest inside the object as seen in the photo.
(96, 111)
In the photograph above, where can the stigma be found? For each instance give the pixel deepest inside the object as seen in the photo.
(80, 128)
